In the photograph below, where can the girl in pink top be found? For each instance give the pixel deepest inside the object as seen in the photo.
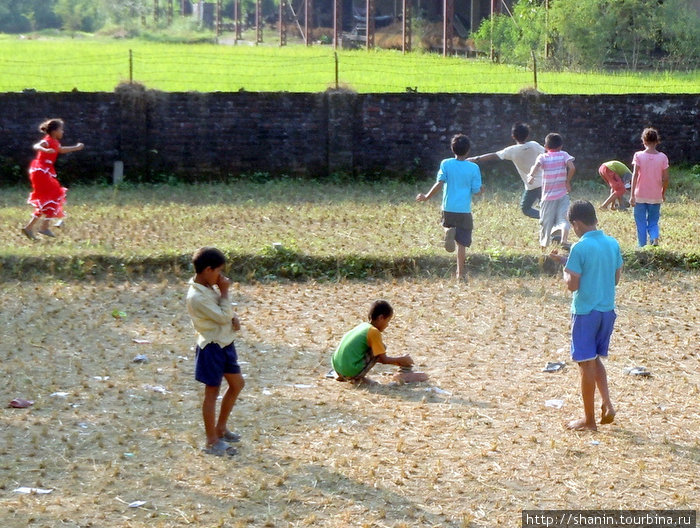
(649, 183)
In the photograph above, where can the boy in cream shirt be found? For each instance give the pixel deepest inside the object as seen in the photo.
(215, 323)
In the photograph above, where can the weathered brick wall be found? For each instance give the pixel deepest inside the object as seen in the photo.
(220, 134)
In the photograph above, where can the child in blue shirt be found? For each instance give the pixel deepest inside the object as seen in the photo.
(459, 179)
(591, 272)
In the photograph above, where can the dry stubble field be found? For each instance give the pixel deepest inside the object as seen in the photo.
(471, 448)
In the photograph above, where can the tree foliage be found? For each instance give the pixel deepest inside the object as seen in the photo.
(597, 33)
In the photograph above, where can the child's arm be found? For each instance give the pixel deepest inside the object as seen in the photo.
(664, 184)
(400, 361)
(435, 188)
(491, 156)
(74, 148)
(572, 280)
(43, 146)
(531, 174)
(570, 170)
(633, 187)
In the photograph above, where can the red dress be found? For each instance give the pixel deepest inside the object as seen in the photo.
(47, 195)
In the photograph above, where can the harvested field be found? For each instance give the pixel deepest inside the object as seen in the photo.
(470, 448)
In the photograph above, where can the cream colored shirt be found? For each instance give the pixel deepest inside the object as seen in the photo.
(211, 315)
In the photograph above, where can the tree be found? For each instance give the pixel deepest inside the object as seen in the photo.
(80, 15)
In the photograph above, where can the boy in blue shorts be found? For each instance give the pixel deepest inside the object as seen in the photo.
(215, 323)
(591, 272)
(459, 179)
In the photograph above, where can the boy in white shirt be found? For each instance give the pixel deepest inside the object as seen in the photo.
(215, 323)
(523, 155)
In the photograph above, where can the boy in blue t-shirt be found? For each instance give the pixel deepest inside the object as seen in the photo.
(459, 179)
(591, 272)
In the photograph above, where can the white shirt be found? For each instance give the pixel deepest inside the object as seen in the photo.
(211, 315)
(523, 156)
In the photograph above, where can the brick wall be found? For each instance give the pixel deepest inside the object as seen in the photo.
(208, 135)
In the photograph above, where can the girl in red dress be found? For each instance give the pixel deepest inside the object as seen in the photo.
(47, 196)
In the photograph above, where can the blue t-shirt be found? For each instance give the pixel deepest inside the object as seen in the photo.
(596, 257)
(461, 179)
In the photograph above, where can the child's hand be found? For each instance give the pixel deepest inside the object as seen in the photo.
(236, 323)
(79, 146)
(421, 197)
(223, 283)
(530, 180)
(406, 361)
(554, 255)
(632, 201)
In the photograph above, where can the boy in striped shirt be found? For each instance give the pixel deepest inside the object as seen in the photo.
(557, 170)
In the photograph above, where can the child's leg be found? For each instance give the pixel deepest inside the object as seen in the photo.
(211, 393)
(588, 371)
(527, 201)
(640, 219)
(653, 215)
(547, 221)
(461, 259)
(607, 414)
(235, 385)
(610, 200)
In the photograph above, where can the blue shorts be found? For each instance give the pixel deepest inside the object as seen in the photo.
(213, 361)
(590, 335)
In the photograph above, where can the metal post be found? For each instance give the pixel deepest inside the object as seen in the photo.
(155, 11)
(258, 22)
(337, 22)
(237, 19)
(282, 23)
(369, 24)
(448, 13)
(131, 67)
(219, 16)
(335, 54)
(406, 29)
(308, 20)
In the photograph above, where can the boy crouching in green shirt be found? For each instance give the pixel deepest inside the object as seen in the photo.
(362, 348)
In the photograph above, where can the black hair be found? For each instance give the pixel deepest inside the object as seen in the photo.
(651, 135)
(460, 144)
(583, 211)
(553, 141)
(520, 132)
(207, 257)
(380, 307)
(50, 125)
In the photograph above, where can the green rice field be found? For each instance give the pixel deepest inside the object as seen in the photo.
(87, 64)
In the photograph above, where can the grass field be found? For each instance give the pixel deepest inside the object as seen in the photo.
(94, 64)
(313, 221)
(470, 448)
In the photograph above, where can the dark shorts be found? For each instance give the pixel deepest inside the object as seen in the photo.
(590, 335)
(213, 361)
(369, 361)
(463, 224)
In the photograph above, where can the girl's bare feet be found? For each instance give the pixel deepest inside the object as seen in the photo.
(581, 425)
(607, 414)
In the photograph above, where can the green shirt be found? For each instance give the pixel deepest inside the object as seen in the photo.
(617, 167)
(350, 357)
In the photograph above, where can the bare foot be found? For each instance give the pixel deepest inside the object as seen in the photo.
(581, 425)
(607, 414)
(410, 377)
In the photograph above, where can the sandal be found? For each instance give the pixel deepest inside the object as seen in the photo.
(29, 233)
(220, 448)
(231, 437)
(47, 232)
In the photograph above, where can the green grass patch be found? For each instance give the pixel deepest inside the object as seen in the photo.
(299, 229)
(99, 64)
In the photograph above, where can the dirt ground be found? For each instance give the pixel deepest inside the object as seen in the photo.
(470, 448)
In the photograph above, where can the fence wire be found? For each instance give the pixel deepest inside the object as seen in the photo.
(257, 69)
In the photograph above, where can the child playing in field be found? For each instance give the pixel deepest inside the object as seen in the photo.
(362, 348)
(523, 155)
(557, 170)
(591, 272)
(47, 196)
(649, 184)
(215, 323)
(459, 179)
(619, 178)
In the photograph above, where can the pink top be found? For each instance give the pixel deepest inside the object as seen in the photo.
(650, 167)
(553, 164)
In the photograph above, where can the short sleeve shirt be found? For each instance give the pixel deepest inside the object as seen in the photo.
(553, 166)
(461, 179)
(596, 258)
(211, 315)
(349, 358)
(617, 167)
(523, 156)
(650, 179)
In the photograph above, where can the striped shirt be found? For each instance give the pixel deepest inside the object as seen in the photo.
(553, 165)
